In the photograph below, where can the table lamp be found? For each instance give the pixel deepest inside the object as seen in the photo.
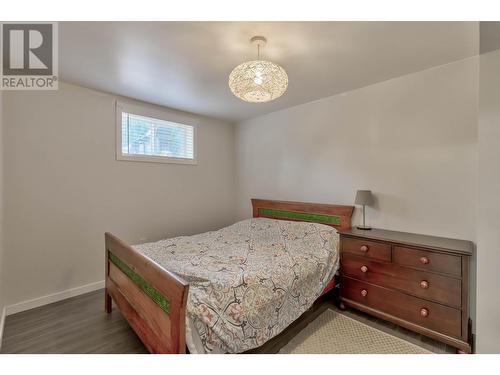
(364, 198)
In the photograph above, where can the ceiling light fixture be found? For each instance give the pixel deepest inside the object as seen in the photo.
(258, 81)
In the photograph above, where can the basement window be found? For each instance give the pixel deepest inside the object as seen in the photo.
(153, 136)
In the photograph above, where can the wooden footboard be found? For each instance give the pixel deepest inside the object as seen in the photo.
(151, 298)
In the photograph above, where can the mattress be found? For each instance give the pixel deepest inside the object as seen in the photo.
(248, 281)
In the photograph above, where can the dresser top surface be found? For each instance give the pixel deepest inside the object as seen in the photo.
(413, 239)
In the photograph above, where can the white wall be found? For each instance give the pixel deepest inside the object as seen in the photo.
(64, 189)
(411, 140)
(488, 234)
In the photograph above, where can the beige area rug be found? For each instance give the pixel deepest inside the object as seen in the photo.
(334, 333)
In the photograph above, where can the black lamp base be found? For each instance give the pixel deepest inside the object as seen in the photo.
(363, 227)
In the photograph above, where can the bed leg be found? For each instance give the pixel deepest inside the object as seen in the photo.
(108, 302)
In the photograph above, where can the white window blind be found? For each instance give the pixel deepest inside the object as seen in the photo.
(144, 137)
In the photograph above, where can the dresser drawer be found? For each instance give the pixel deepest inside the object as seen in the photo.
(427, 314)
(427, 260)
(369, 249)
(438, 288)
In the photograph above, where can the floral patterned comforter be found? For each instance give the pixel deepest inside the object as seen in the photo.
(250, 280)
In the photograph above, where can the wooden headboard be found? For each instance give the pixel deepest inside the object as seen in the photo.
(336, 216)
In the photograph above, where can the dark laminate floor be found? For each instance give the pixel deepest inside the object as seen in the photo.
(80, 325)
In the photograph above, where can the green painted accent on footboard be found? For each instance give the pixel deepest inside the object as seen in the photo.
(303, 216)
(152, 293)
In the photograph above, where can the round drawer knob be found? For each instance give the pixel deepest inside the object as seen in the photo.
(364, 248)
(424, 284)
(424, 260)
(364, 269)
(364, 292)
(424, 312)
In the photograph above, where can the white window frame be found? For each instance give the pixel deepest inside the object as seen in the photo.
(160, 115)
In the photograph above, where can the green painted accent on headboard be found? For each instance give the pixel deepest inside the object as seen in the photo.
(152, 293)
(315, 218)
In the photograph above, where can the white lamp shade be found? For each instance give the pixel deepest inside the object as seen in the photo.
(258, 81)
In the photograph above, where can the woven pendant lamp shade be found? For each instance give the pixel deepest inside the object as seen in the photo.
(258, 81)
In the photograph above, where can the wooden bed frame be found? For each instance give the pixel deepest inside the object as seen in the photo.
(153, 300)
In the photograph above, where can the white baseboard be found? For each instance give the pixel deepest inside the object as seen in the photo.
(55, 297)
(3, 314)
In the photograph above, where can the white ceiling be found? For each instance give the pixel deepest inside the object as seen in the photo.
(185, 65)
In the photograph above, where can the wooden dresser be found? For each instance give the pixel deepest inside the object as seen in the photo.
(418, 282)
